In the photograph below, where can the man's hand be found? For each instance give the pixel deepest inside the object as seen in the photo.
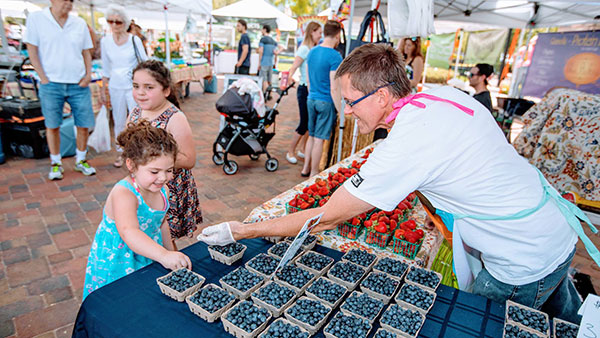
(174, 260)
(239, 64)
(258, 69)
(219, 234)
(85, 80)
(44, 80)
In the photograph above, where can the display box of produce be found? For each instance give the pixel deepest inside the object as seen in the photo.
(343, 326)
(512, 330)
(315, 262)
(309, 242)
(263, 265)
(351, 230)
(283, 328)
(383, 333)
(360, 257)
(180, 283)
(308, 313)
(416, 298)
(346, 273)
(311, 197)
(227, 254)
(245, 320)
(393, 267)
(429, 280)
(408, 239)
(327, 291)
(377, 239)
(380, 285)
(241, 282)
(279, 249)
(362, 305)
(562, 328)
(294, 277)
(274, 297)
(528, 318)
(401, 321)
(210, 302)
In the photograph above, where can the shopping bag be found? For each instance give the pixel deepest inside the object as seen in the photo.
(100, 138)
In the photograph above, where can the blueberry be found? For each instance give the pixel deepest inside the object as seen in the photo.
(242, 279)
(247, 316)
(315, 260)
(363, 305)
(346, 326)
(402, 319)
(327, 290)
(279, 249)
(512, 331)
(307, 241)
(284, 329)
(294, 276)
(567, 330)
(360, 257)
(380, 283)
(181, 280)
(416, 296)
(531, 319)
(391, 266)
(229, 249)
(308, 311)
(263, 263)
(347, 272)
(275, 294)
(212, 298)
(424, 277)
(381, 333)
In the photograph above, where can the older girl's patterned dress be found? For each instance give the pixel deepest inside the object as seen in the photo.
(110, 258)
(185, 213)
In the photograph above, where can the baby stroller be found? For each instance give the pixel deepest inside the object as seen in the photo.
(245, 132)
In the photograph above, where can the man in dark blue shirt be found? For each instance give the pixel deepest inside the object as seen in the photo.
(243, 64)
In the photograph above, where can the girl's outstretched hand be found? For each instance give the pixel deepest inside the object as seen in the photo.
(174, 260)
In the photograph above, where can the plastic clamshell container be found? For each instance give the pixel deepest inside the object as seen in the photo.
(276, 312)
(179, 296)
(238, 332)
(219, 257)
(311, 329)
(408, 305)
(200, 312)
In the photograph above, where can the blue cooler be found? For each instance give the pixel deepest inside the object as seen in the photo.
(210, 85)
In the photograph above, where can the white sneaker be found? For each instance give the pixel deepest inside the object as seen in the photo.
(56, 171)
(290, 159)
(85, 168)
(300, 154)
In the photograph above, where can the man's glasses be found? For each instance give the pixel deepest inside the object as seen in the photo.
(472, 75)
(114, 22)
(352, 103)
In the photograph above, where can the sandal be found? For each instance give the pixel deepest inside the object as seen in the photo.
(118, 162)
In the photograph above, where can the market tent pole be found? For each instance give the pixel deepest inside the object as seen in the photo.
(513, 80)
(342, 117)
(427, 45)
(167, 37)
(458, 53)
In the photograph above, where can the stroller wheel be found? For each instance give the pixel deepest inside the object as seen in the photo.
(230, 167)
(272, 164)
(218, 157)
(254, 157)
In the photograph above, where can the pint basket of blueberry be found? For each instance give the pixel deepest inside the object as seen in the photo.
(416, 298)
(210, 302)
(401, 321)
(408, 239)
(263, 265)
(309, 242)
(279, 249)
(527, 318)
(363, 306)
(427, 279)
(393, 267)
(274, 297)
(562, 328)
(352, 228)
(227, 254)
(382, 333)
(245, 320)
(515, 331)
(346, 273)
(294, 277)
(342, 326)
(379, 285)
(180, 283)
(315, 263)
(308, 313)
(241, 282)
(360, 257)
(327, 292)
(282, 328)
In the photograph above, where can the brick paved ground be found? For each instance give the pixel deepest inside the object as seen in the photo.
(46, 228)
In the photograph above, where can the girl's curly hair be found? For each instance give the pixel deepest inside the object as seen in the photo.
(141, 142)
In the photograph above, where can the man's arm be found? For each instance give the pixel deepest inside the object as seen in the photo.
(87, 60)
(341, 206)
(261, 50)
(243, 56)
(34, 56)
(335, 91)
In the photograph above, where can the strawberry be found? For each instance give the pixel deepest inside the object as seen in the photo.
(321, 183)
(381, 228)
(322, 202)
(323, 191)
(363, 215)
(399, 233)
(411, 237)
(304, 205)
(420, 232)
(294, 202)
(305, 190)
(355, 221)
(384, 219)
(393, 224)
(368, 224)
(353, 171)
(408, 225)
(394, 217)
(304, 196)
(311, 201)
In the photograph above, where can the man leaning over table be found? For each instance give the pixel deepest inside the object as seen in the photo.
(59, 47)
(446, 145)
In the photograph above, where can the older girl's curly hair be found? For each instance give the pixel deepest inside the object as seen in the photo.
(141, 142)
(162, 75)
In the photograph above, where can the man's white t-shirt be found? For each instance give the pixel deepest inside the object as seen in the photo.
(60, 48)
(118, 62)
(464, 165)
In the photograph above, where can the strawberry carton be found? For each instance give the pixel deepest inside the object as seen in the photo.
(352, 228)
(300, 202)
(379, 228)
(367, 153)
(408, 239)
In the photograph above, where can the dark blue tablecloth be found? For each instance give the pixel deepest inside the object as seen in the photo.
(133, 306)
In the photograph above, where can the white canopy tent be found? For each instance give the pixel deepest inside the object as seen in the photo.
(257, 9)
(17, 9)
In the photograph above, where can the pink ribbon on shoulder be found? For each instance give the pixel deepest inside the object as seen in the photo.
(411, 99)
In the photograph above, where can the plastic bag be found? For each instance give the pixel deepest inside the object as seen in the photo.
(100, 138)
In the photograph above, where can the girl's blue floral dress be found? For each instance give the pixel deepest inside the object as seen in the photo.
(110, 258)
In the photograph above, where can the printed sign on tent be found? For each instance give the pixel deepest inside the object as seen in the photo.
(303, 22)
(440, 50)
(486, 46)
(569, 60)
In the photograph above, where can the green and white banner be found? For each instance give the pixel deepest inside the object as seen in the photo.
(485, 46)
(440, 50)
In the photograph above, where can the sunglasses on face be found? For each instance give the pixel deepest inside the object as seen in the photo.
(114, 22)
(353, 103)
(473, 75)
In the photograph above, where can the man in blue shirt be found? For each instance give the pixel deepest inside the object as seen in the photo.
(323, 95)
(244, 50)
(267, 49)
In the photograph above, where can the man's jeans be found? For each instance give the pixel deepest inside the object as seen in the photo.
(554, 294)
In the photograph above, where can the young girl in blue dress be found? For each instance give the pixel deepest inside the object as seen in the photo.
(134, 226)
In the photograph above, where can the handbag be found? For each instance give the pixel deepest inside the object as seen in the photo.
(137, 53)
(381, 35)
(100, 137)
(341, 47)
